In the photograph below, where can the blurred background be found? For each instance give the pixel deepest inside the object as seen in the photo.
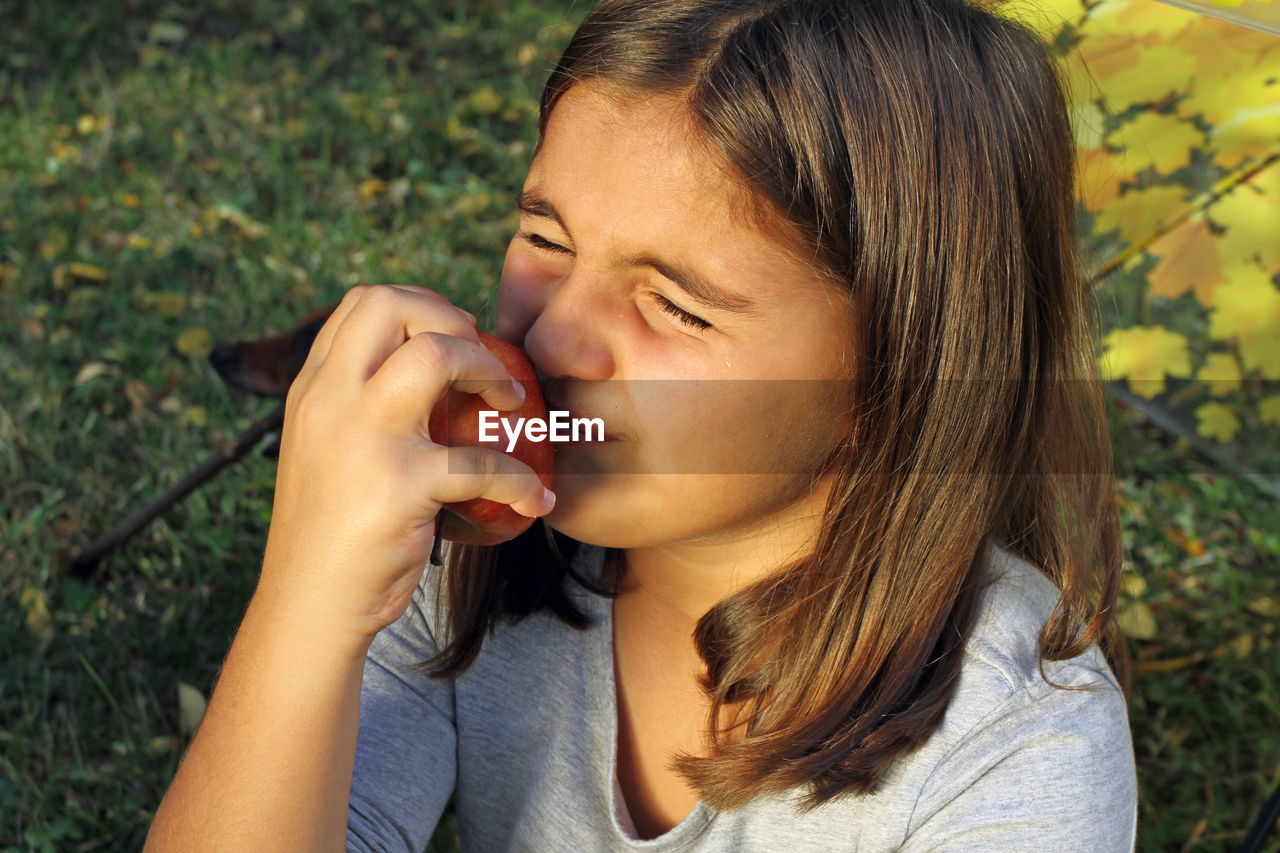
(177, 175)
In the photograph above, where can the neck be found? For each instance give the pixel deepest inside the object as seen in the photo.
(678, 583)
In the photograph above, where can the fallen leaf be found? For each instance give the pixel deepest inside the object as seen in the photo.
(372, 188)
(1133, 585)
(191, 707)
(138, 393)
(90, 371)
(195, 416)
(1136, 620)
(1265, 606)
(486, 100)
(166, 32)
(195, 342)
(89, 272)
(38, 620)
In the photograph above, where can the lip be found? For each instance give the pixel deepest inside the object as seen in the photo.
(554, 397)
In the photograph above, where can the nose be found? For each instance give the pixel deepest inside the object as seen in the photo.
(568, 339)
(569, 335)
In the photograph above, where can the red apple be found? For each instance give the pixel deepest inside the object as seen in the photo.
(455, 422)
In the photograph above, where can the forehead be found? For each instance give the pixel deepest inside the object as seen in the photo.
(603, 138)
(637, 169)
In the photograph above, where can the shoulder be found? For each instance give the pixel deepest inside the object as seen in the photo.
(1004, 644)
(1025, 754)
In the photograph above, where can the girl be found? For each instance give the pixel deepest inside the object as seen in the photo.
(850, 600)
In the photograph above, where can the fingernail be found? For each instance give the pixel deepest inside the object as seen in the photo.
(467, 314)
(518, 388)
(549, 498)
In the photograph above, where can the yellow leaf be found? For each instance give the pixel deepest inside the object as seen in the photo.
(372, 187)
(248, 228)
(1160, 74)
(55, 244)
(1221, 372)
(1133, 586)
(1047, 17)
(1269, 409)
(195, 342)
(191, 707)
(90, 371)
(1188, 261)
(1250, 213)
(1264, 606)
(1120, 17)
(195, 416)
(1098, 175)
(1216, 421)
(86, 271)
(1156, 141)
(38, 620)
(1145, 356)
(168, 303)
(1137, 620)
(1228, 82)
(486, 100)
(1247, 308)
(1088, 123)
(1248, 135)
(1140, 213)
(527, 54)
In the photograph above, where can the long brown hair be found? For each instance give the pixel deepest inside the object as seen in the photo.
(921, 151)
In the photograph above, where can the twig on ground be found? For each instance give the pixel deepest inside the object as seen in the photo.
(84, 563)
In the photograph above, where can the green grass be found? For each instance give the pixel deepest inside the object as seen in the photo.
(169, 175)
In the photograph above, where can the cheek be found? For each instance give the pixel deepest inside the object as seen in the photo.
(522, 294)
(735, 427)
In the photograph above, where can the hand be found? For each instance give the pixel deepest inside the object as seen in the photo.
(360, 480)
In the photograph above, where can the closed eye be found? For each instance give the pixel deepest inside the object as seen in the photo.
(692, 320)
(537, 241)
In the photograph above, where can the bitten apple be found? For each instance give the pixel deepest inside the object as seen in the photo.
(455, 422)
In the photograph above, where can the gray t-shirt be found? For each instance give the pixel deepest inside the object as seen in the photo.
(526, 739)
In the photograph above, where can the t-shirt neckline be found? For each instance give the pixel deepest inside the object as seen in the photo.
(606, 698)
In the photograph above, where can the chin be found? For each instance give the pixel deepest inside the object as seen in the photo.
(586, 511)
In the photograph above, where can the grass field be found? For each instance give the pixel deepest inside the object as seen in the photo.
(171, 177)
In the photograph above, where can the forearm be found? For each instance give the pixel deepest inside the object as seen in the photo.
(270, 767)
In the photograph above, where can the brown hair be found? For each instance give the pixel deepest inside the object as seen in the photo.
(921, 150)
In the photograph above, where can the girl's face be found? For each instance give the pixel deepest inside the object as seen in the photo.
(644, 294)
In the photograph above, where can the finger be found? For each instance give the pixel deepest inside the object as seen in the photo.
(407, 386)
(324, 337)
(463, 473)
(381, 318)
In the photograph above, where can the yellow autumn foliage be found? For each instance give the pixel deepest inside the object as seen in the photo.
(1247, 310)
(1145, 356)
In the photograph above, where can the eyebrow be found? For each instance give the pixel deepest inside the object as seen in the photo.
(691, 282)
